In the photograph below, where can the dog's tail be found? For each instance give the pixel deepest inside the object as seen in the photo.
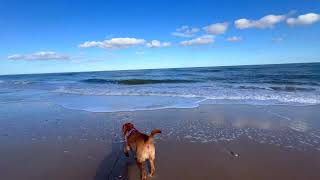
(153, 133)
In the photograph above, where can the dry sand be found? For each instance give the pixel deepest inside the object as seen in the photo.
(43, 141)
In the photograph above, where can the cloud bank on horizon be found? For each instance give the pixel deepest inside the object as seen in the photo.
(42, 55)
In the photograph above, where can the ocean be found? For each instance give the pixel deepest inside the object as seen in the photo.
(111, 91)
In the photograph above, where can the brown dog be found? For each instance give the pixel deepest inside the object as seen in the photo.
(142, 144)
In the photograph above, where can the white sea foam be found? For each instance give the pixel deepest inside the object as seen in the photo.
(299, 125)
(205, 97)
(22, 82)
(120, 103)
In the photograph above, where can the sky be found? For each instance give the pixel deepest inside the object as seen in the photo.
(71, 36)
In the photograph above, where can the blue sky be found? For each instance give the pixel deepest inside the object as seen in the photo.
(63, 36)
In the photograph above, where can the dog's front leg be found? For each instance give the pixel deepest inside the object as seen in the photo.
(126, 149)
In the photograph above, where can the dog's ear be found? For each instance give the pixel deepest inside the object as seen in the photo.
(123, 128)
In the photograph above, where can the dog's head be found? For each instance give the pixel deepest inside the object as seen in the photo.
(127, 127)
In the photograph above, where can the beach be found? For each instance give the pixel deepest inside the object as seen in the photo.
(41, 140)
(238, 122)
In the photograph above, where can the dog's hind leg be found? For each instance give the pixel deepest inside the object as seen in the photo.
(152, 167)
(143, 174)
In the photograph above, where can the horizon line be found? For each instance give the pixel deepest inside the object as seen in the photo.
(313, 62)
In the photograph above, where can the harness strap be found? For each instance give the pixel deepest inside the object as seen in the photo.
(129, 133)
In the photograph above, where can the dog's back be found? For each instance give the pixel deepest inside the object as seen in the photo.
(146, 149)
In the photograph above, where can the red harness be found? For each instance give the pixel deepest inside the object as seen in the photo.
(129, 133)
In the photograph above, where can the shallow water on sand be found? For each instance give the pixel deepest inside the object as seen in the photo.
(286, 126)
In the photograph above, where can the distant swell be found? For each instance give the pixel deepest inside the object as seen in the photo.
(152, 81)
(251, 87)
(97, 81)
(137, 81)
(291, 88)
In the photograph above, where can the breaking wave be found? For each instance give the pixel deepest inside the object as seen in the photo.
(137, 81)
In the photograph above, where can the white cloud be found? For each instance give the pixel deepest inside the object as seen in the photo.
(185, 31)
(305, 19)
(88, 44)
(42, 55)
(217, 28)
(277, 39)
(202, 40)
(234, 39)
(158, 44)
(140, 53)
(265, 22)
(15, 57)
(114, 43)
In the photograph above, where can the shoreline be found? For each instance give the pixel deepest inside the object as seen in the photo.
(186, 108)
(197, 104)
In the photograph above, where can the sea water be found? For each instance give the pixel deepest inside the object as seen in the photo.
(110, 91)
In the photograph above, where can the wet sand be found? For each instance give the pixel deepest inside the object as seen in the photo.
(40, 141)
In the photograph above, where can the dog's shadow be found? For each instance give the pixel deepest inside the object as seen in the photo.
(114, 166)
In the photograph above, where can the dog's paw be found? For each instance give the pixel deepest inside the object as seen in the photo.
(144, 177)
(151, 174)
